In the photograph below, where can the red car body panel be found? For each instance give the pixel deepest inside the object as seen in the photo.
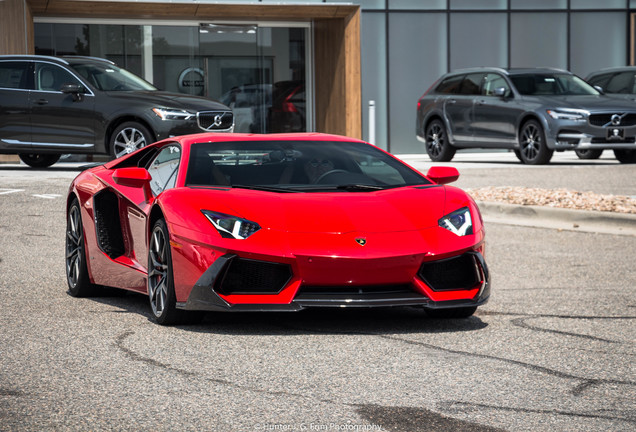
(317, 235)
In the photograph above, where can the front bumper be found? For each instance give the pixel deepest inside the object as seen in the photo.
(582, 135)
(435, 285)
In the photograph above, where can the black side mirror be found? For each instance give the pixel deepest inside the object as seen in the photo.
(74, 89)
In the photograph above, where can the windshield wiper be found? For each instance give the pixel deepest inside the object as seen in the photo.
(359, 187)
(264, 188)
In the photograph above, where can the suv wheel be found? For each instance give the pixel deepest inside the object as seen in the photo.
(129, 137)
(589, 154)
(437, 145)
(625, 156)
(38, 160)
(534, 150)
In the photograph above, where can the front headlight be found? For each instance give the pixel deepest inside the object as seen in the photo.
(562, 114)
(231, 226)
(172, 114)
(458, 222)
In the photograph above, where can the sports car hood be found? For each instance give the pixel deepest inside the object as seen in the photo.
(170, 100)
(392, 210)
(589, 103)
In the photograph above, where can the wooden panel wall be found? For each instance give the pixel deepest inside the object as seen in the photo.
(337, 76)
(17, 27)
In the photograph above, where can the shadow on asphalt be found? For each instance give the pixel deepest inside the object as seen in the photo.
(345, 321)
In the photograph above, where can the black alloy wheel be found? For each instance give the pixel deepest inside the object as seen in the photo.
(625, 156)
(79, 284)
(39, 160)
(533, 149)
(437, 145)
(161, 293)
(129, 137)
(589, 154)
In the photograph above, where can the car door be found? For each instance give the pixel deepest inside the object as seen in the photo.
(458, 108)
(15, 83)
(495, 115)
(60, 121)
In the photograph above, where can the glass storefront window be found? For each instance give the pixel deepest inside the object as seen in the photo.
(416, 59)
(538, 4)
(595, 4)
(260, 72)
(545, 48)
(608, 47)
(482, 4)
(476, 40)
(418, 4)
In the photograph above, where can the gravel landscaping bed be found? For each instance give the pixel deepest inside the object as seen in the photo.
(561, 198)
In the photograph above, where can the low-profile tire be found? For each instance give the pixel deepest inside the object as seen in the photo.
(625, 156)
(589, 154)
(161, 293)
(533, 147)
(79, 283)
(451, 313)
(437, 145)
(129, 137)
(39, 160)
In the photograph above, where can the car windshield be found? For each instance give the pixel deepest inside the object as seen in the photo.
(297, 166)
(552, 85)
(108, 77)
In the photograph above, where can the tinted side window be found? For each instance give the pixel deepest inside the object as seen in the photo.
(471, 84)
(13, 75)
(600, 80)
(492, 82)
(621, 83)
(163, 169)
(49, 77)
(450, 85)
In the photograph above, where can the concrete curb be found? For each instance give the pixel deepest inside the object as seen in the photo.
(558, 218)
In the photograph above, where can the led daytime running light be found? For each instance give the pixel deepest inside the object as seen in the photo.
(230, 226)
(458, 222)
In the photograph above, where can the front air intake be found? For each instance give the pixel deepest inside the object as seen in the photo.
(245, 276)
(451, 274)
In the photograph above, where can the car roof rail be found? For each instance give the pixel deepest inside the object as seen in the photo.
(89, 58)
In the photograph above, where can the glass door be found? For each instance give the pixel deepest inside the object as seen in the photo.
(259, 72)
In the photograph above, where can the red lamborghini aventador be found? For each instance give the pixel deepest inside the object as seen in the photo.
(237, 222)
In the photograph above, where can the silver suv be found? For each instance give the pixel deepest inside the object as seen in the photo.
(531, 111)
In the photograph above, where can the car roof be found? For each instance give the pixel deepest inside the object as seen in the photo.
(61, 60)
(613, 69)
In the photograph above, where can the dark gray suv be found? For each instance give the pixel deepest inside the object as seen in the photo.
(56, 105)
(531, 111)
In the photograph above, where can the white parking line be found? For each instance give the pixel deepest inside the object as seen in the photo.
(47, 196)
(8, 191)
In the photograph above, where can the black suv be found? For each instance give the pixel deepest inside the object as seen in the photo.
(83, 105)
(531, 111)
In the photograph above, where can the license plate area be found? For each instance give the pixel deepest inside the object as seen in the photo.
(615, 134)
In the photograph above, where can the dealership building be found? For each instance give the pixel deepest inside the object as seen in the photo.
(354, 67)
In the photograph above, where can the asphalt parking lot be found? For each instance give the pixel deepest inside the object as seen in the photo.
(553, 350)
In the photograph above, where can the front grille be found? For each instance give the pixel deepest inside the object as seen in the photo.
(602, 120)
(245, 276)
(215, 120)
(457, 273)
(350, 290)
(627, 140)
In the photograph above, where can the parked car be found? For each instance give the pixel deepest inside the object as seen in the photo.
(288, 111)
(616, 82)
(531, 111)
(82, 105)
(246, 222)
